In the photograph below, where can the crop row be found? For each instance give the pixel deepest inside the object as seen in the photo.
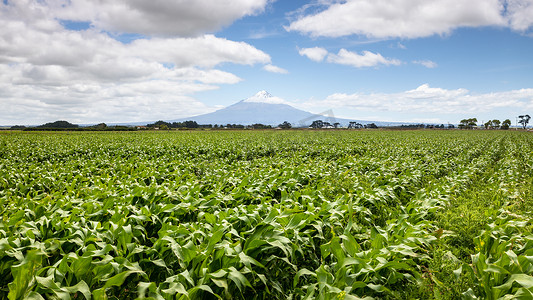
(266, 215)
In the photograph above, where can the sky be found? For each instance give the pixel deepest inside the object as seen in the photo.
(92, 61)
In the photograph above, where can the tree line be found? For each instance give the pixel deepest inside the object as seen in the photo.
(162, 125)
(471, 123)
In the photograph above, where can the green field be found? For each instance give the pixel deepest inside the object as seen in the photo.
(266, 214)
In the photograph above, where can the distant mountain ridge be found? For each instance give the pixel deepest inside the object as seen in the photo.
(263, 108)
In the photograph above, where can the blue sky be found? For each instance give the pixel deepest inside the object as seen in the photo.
(129, 61)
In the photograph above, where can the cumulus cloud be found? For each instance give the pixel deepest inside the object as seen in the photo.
(519, 14)
(275, 69)
(426, 63)
(426, 99)
(315, 54)
(366, 59)
(158, 17)
(349, 58)
(412, 18)
(39, 94)
(204, 51)
(49, 72)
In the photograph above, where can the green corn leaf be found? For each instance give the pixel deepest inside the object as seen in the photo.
(378, 288)
(151, 288)
(514, 259)
(301, 273)
(34, 296)
(248, 261)
(337, 250)
(223, 283)
(457, 273)
(214, 239)
(23, 275)
(205, 288)
(523, 294)
(176, 288)
(116, 280)
(185, 276)
(220, 273)
(80, 287)
(240, 281)
(523, 280)
(496, 269)
(350, 244)
(81, 266)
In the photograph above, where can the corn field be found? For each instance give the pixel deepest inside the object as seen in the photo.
(266, 215)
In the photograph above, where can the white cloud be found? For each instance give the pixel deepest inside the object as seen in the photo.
(48, 72)
(366, 59)
(204, 51)
(427, 100)
(49, 95)
(520, 14)
(400, 46)
(349, 58)
(275, 69)
(158, 17)
(412, 18)
(426, 63)
(315, 54)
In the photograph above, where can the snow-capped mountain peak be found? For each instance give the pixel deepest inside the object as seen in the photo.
(265, 97)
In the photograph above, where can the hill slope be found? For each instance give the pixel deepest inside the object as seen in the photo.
(265, 109)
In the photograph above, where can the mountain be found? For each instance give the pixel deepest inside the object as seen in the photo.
(264, 108)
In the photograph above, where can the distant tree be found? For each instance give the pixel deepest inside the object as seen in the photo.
(353, 125)
(468, 123)
(336, 124)
(261, 126)
(488, 124)
(121, 128)
(158, 124)
(317, 124)
(17, 127)
(411, 126)
(496, 124)
(285, 125)
(506, 124)
(371, 126)
(190, 124)
(451, 126)
(59, 124)
(472, 123)
(524, 120)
